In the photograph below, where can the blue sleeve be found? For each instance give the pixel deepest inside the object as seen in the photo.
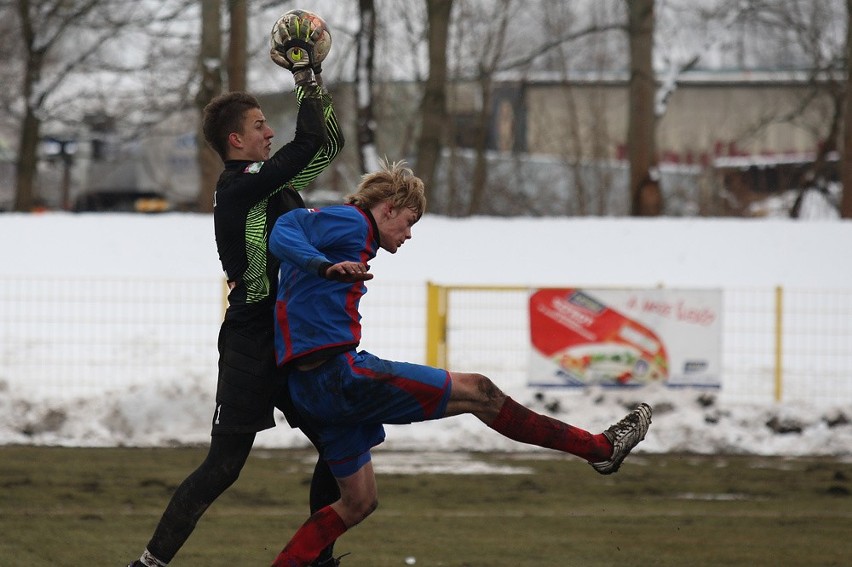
(314, 239)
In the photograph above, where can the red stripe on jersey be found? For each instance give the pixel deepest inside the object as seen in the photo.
(357, 291)
(353, 297)
(284, 328)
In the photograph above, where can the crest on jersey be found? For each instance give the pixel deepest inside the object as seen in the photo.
(253, 167)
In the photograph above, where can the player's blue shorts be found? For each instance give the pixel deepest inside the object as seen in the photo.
(348, 398)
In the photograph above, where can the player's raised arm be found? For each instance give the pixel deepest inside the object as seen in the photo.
(332, 147)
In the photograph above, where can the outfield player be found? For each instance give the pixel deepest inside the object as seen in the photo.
(252, 191)
(345, 395)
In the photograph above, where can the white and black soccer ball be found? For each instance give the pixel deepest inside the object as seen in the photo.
(290, 34)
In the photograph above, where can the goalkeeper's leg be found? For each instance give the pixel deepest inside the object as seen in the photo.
(221, 468)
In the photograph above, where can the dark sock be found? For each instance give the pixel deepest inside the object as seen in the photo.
(522, 424)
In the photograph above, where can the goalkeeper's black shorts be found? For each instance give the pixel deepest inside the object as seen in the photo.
(250, 384)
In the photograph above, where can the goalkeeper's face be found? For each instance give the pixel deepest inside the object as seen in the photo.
(254, 143)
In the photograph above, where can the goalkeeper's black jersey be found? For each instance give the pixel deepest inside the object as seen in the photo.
(250, 196)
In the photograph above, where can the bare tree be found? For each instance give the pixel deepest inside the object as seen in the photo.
(808, 37)
(488, 65)
(646, 195)
(71, 55)
(810, 26)
(433, 108)
(846, 162)
(210, 65)
(478, 40)
(364, 61)
(505, 41)
(584, 142)
(43, 26)
(237, 44)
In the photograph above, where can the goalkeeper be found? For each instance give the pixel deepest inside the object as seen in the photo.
(252, 192)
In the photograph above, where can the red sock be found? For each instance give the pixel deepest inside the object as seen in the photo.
(316, 534)
(522, 424)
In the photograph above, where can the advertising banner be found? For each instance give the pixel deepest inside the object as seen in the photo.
(625, 337)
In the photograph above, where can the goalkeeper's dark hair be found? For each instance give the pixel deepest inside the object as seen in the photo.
(224, 115)
(393, 182)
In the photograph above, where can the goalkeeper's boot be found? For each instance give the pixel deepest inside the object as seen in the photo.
(625, 435)
(146, 560)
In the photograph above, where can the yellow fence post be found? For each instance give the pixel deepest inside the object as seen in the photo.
(779, 343)
(436, 325)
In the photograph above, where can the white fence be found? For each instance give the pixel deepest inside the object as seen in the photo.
(777, 344)
(71, 337)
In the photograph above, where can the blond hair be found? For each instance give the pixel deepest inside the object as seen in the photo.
(393, 182)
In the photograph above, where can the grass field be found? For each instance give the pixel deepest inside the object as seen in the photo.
(97, 507)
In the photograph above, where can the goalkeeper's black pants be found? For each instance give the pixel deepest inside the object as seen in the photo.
(220, 469)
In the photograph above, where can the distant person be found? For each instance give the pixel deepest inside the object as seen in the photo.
(253, 190)
(345, 396)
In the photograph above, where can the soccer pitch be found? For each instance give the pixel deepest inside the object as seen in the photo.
(70, 506)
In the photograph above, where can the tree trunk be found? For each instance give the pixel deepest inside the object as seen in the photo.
(479, 177)
(814, 177)
(846, 164)
(485, 80)
(237, 50)
(26, 162)
(364, 57)
(645, 194)
(433, 109)
(210, 61)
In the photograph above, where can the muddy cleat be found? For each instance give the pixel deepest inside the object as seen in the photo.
(147, 560)
(625, 435)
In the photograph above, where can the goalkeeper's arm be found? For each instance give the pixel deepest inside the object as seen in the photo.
(334, 139)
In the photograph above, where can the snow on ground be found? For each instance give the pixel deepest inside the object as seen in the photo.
(580, 251)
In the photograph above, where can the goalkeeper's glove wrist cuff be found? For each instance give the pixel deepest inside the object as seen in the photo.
(309, 90)
(303, 77)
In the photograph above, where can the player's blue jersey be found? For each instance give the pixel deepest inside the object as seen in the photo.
(315, 316)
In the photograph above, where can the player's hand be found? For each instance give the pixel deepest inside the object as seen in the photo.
(293, 38)
(349, 272)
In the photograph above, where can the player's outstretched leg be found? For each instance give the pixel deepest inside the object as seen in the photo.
(625, 435)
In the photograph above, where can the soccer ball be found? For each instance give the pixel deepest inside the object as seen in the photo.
(292, 29)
